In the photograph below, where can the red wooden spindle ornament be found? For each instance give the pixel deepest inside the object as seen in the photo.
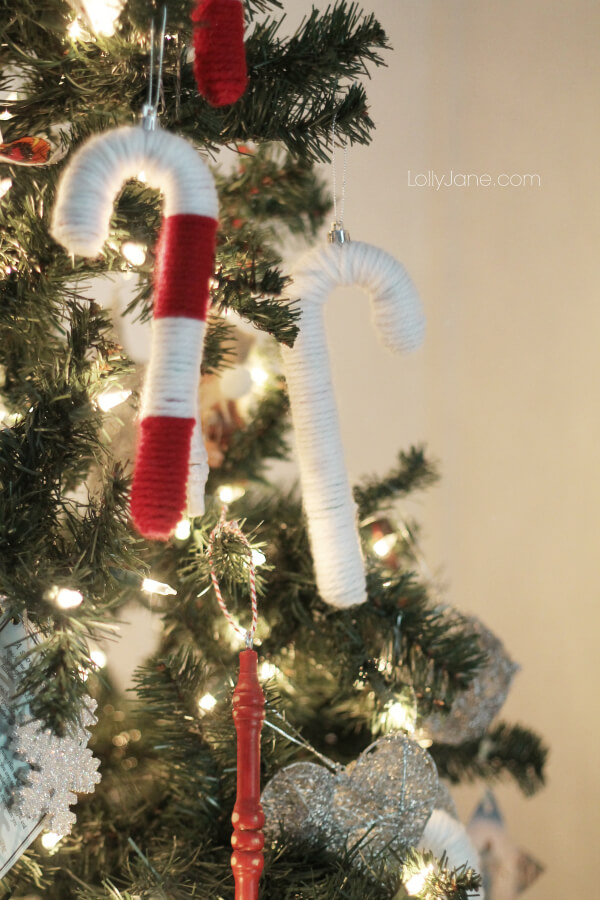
(248, 818)
(247, 839)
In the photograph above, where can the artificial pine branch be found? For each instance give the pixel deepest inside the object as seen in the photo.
(272, 187)
(169, 689)
(413, 472)
(253, 445)
(439, 882)
(504, 751)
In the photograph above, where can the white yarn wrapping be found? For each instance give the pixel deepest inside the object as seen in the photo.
(173, 375)
(97, 172)
(81, 220)
(444, 834)
(398, 317)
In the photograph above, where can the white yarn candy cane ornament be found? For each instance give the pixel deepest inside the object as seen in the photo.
(169, 426)
(327, 496)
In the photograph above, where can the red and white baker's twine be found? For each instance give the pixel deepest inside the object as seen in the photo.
(222, 526)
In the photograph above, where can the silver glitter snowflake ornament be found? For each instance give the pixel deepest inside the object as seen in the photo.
(61, 767)
(383, 800)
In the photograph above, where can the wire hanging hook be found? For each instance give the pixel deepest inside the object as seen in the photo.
(150, 107)
(338, 235)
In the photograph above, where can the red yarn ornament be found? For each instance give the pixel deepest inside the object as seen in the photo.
(185, 263)
(158, 494)
(220, 55)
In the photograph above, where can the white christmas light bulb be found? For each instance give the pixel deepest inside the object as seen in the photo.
(150, 586)
(258, 558)
(259, 375)
(50, 839)
(134, 253)
(110, 399)
(65, 598)
(207, 702)
(383, 546)
(230, 492)
(103, 15)
(98, 657)
(74, 30)
(416, 882)
(5, 186)
(268, 670)
(400, 716)
(183, 530)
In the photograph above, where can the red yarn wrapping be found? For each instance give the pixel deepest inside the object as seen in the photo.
(158, 492)
(185, 262)
(220, 55)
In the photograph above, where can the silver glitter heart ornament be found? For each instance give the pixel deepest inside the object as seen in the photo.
(382, 801)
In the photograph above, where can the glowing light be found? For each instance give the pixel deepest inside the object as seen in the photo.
(11, 419)
(98, 657)
(207, 702)
(134, 253)
(110, 399)
(230, 492)
(5, 114)
(259, 375)
(425, 743)
(75, 30)
(5, 186)
(150, 586)
(50, 840)
(102, 15)
(183, 530)
(416, 882)
(268, 670)
(141, 176)
(399, 715)
(383, 546)
(65, 598)
(258, 558)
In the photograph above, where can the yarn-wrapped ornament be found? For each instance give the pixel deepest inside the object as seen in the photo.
(327, 495)
(220, 56)
(170, 456)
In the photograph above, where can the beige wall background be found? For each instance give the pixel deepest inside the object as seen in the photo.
(506, 390)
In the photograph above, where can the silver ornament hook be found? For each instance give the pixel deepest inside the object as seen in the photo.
(338, 235)
(150, 107)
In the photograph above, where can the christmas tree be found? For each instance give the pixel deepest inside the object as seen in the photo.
(373, 708)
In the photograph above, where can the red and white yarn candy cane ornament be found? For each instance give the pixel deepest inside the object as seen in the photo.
(219, 53)
(169, 426)
(327, 495)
